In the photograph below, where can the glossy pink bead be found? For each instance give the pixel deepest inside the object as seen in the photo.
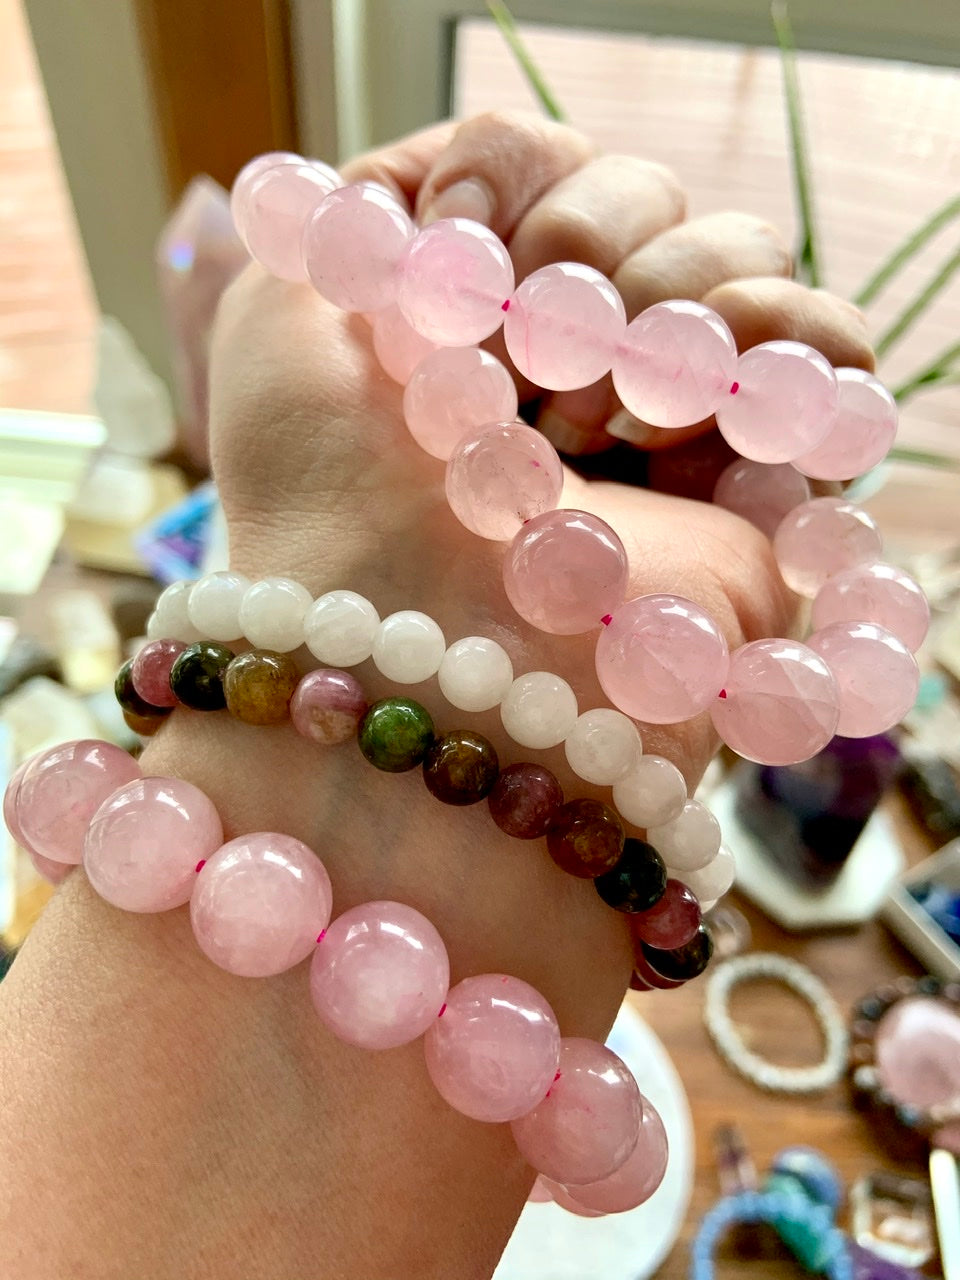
(353, 245)
(10, 795)
(661, 659)
(672, 921)
(501, 476)
(637, 1178)
(143, 845)
(782, 403)
(397, 346)
(454, 391)
(150, 672)
(862, 434)
(493, 1053)
(455, 278)
(780, 704)
(563, 326)
(561, 1196)
(327, 707)
(380, 976)
(877, 675)
(879, 593)
(248, 175)
(565, 571)
(276, 211)
(761, 492)
(822, 537)
(259, 904)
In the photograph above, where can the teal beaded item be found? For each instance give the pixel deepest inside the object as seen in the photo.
(395, 734)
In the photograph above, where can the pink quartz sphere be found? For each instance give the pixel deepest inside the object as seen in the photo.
(676, 361)
(862, 433)
(327, 707)
(877, 675)
(563, 326)
(661, 659)
(502, 476)
(917, 1049)
(565, 571)
(380, 976)
(879, 593)
(10, 798)
(493, 1053)
(150, 672)
(637, 1178)
(761, 492)
(780, 704)
(248, 175)
(397, 345)
(781, 404)
(456, 276)
(453, 392)
(276, 211)
(822, 537)
(145, 841)
(353, 244)
(260, 903)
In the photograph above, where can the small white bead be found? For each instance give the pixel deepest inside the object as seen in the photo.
(690, 841)
(603, 746)
(651, 793)
(272, 612)
(712, 881)
(475, 674)
(172, 619)
(214, 606)
(539, 710)
(408, 647)
(340, 628)
(152, 630)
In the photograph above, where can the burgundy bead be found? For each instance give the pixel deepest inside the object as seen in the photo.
(524, 799)
(131, 700)
(460, 767)
(681, 963)
(671, 922)
(585, 838)
(151, 671)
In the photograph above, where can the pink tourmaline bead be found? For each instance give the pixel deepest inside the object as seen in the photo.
(879, 593)
(675, 363)
(150, 672)
(661, 659)
(637, 1178)
(862, 434)
(761, 492)
(397, 346)
(565, 571)
(143, 845)
(454, 391)
(588, 1123)
(784, 403)
(877, 675)
(327, 707)
(62, 790)
(353, 244)
(259, 904)
(248, 175)
(455, 277)
(276, 210)
(780, 705)
(494, 1052)
(500, 477)
(672, 921)
(822, 537)
(563, 326)
(380, 976)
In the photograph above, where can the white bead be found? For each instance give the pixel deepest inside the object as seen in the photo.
(475, 674)
(152, 630)
(539, 710)
(340, 628)
(272, 612)
(172, 619)
(214, 606)
(712, 881)
(652, 793)
(603, 746)
(408, 647)
(690, 841)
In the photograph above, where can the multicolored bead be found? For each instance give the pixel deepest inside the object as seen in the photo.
(395, 734)
(258, 686)
(460, 767)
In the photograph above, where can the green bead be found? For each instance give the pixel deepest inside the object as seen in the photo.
(196, 678)
(395, 734)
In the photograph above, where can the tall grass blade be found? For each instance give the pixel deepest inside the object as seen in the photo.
(939, 280)
(808, 254)
(911, 246)
(508, 29)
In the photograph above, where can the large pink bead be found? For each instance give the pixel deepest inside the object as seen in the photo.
(248, 175)
(661, 659)
(780, 705)
(10, 797)
(62, 790)
(380, 976)
(565, 571)
(637, 1178)
(455, 278)
(877, 675)
(327, 707)
(781, 404)
(494, 1052)
(675, 363)
(563, 326)
(761, 492)
(144, 843)
(822, 537)
(150, 672)
(398, 346)
(501, 476)
(260, 903)
(879, 593)
(454, 391)
(276, 211)
(862, 434)
(588, 1123)
(353, 244)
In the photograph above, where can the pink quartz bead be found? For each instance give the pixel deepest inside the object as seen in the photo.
(327, 707)
(380, 976)
(455, 278)
(822, 537)
(862, 433)
(500, 477)
(637, 1178)
(588, 1123)
(565, 571)
(780, 704)
(150, 672)
(781, 404)
(879, 593)
(248, 175)
(494, 1052)
(10, 796)
(672, 921)
(276, 210)
(676, 362)
(454, 391)
(398, 346)
(143, 845)
(561, 1196)
(259, 904)
(877, 675)
(563, 326)
(353, 244)
(661, 659)
(47, 869)
(761, 492)
(62, 790)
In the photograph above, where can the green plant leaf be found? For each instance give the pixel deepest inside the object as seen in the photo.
(904, 252)
(940, 369)
(808, 254)
(941, 461)
(916, 308)
(508, 29)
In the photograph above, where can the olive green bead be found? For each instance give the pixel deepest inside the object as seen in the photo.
(196, 678)
(395, 734)
(259, 685)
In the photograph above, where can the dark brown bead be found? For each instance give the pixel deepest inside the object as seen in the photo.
(460, 767)
(258, 686)
(196, 678)
(638, 880)
(145, 726)
(585, 838)
(524, 799)
(680, 964)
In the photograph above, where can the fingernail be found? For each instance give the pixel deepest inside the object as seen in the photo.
(563, 435)
(625, 426)
(468, 198)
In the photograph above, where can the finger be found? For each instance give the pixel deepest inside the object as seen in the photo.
(402, 166)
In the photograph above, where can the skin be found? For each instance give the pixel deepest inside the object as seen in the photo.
(160, 1118)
